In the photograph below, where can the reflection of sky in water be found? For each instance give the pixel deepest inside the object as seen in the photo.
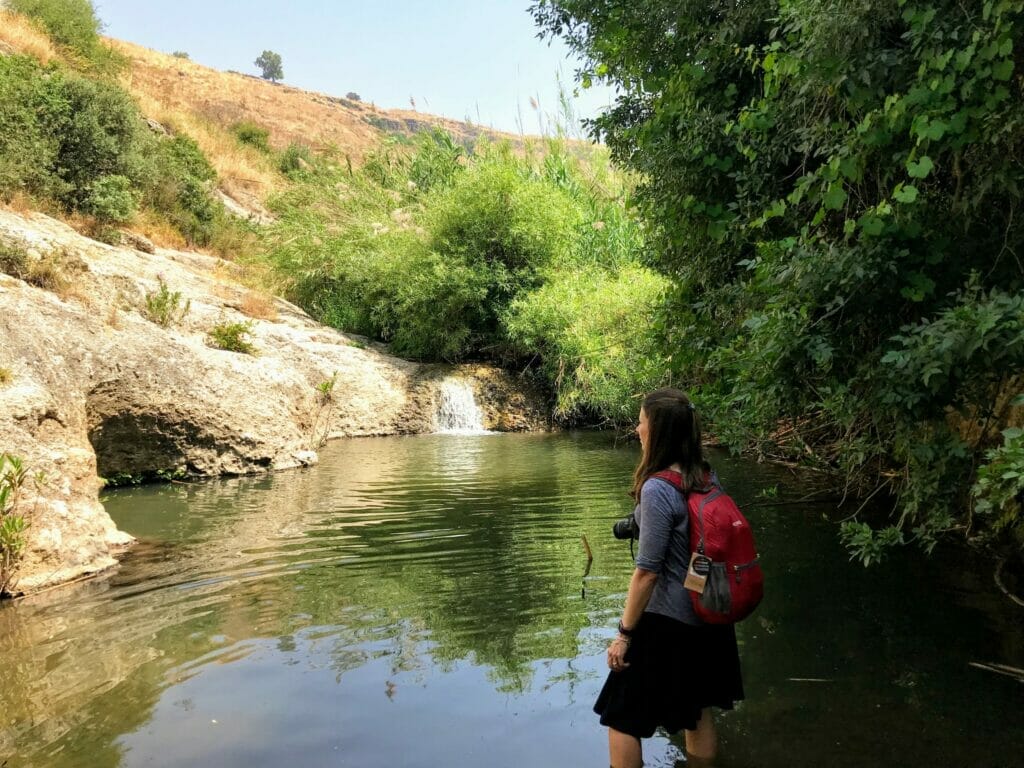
(317, 703)
(422, 601)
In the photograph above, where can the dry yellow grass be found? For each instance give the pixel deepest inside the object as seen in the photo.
(20, 202)
(222, 99)
(159, 230)
(242, 171)
(258, 305)
(22, 36)
(225, 98)
(114, 317)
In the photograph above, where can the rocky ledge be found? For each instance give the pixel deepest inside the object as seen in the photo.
(108, 369)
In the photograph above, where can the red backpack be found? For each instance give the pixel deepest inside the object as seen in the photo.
(720, 532)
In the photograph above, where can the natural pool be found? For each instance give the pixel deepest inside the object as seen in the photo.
(421, 601)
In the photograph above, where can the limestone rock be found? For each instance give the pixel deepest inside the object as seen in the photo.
(137, 241)
(97, 389)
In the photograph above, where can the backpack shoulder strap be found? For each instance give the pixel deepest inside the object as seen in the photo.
(672, 478)
(691, 503)
(675, 479)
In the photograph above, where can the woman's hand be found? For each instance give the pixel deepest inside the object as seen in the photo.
(617, 653)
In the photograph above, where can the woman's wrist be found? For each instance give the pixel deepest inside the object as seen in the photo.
(624, 630)
(621, 638)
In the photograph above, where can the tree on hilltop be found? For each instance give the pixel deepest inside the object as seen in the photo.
(270, 63)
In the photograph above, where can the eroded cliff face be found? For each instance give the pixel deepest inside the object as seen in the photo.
(90, 386)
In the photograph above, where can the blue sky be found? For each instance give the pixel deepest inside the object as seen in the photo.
(479, 59)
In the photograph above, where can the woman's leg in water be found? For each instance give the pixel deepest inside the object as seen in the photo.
(624, 751)
(703, 741)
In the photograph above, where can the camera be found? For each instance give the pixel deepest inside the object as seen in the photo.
(626, 528)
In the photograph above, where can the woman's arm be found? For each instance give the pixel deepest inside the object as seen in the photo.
(655, 530)
(641, 586)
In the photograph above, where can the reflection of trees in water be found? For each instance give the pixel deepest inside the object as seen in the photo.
(426, 551)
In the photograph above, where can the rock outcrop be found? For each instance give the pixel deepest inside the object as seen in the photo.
(91, 386)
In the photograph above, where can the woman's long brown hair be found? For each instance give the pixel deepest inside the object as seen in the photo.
(673, 437)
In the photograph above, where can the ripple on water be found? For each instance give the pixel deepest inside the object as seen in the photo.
(429, 580)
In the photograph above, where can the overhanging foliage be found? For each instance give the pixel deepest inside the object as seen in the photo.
(834, 189)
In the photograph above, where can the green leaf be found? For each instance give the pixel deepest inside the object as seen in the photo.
(835, 197)
(872, 225)
(848, 167)
(918, 288)
(919, 169)
(905, 194)
(936, 130)
(1002, 70)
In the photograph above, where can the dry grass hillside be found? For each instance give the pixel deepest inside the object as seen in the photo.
(206, 102)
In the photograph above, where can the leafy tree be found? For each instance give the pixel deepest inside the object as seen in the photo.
(833, 187)
(270, 63)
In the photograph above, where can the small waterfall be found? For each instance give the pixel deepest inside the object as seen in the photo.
(457, 411)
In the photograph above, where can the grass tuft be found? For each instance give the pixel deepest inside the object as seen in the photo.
(232, 337)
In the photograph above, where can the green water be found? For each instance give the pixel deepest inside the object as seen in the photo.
(421, 601)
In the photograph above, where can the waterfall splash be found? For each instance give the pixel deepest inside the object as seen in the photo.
(457, 412)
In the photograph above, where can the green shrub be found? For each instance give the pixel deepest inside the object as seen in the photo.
(436, 161)
(166, 307)
(83, 144)
(440, 308)
(295, 158)
(112, 199)
(180, 187)
(591, 330)
(232, 337)
(497, 215)
(180, 55)
(62, 134)
(13, 477)
(999, 489)
(32, 112)
(14, 260)
(252, 134)
(70, 23)
(102, 135)
(432, 266)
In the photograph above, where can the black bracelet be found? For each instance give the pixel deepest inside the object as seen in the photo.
(623, 631)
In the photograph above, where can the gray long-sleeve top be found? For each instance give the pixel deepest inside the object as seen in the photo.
(665, 548)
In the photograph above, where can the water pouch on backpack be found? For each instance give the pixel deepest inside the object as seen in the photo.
(716, 596)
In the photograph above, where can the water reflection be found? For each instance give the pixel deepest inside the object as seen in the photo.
(417, 601)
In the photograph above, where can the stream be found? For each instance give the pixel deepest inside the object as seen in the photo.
(422, 601)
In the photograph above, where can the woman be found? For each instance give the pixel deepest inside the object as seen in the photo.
(667, 668)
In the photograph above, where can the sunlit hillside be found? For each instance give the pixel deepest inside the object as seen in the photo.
(206, 102)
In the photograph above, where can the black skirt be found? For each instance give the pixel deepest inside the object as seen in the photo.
(675, 670)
